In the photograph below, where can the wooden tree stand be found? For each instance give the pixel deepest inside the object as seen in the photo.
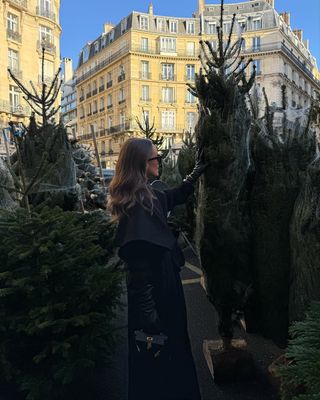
(231, 364)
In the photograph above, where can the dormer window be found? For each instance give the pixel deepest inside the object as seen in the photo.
(257, 24)
(161, 25)
(96, 47)
(144, 22)
(190, 27)
(111, 36)
(173, 26)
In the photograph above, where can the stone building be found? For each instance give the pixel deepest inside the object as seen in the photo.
(26, 27)
(69, 98)
(142, 65)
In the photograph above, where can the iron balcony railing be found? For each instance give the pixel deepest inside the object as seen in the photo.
(47, 45)
(282, 47)
(16, 109)
(108, 60)
(20, 3)
(13, 35)
(167, 77)
(46, 13)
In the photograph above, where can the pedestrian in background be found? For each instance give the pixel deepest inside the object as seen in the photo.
(161, 365)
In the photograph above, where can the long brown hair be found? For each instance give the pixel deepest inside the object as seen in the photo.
(130, 183)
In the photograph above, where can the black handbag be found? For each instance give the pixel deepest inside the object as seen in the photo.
(150, 344)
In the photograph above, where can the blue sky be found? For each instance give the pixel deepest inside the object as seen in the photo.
(83, 21)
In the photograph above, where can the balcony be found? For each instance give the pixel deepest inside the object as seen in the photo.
(165, 77)
(122, 101)
(16, 73)
(20, 3)
(16, 109)
(145, 75)
(94, 92)
(109, 84)
(104, 63)
(48, 46)
(46, 79)
(95, 112)
(45, 13)
(109, 106)
(121, 77)
(118, 128)
(101, 109)
(89, 114)
(144, 99)
(13, 35)
(101, 88)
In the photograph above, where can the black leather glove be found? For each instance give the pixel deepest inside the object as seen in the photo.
(198, 169)
(140, 287)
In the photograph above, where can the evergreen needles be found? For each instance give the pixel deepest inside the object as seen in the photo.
(58, 298)
(303, 373)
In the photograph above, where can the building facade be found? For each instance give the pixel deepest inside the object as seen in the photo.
(69, 98)
(141, 67)
(26, 27)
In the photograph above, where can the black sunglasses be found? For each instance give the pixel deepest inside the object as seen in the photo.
(159, 158)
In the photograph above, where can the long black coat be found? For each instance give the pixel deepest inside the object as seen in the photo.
(147, 240)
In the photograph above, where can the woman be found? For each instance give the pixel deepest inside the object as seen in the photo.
(156, 304)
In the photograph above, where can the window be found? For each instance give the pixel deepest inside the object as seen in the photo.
(168, 119)
(167, 72)
(242, 26)
(190, 72)
(101, 81)
(173, 26)
(145, 69)
(213, 45)
(161, 25)
(13, 60)
(145, 117)
(211, 28)
(48, 69)
(109, 77)
(227, 27)
(168, 44)
(285, 69)
(243, 44)
(191, 121)
(109, 100)
(167, 94)
(12, 22)
(111, 36)
(82, 112)
(14, 97)
(121, 95)
(122, 120)
(102, 104)
(191, 49)
(45, 34)
(85, 52)
(145, 93)
(256, 43)
(109, 122)
(45, 6)
(190, 98)
(95, 107)
(190, 27)
(257, 24)
(144, 44)
(96, 47)
(257, 63)
(144, 22)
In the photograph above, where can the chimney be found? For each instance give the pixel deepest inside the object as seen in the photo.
(107, 27)
(299, 34)
(306, 44)
(68, 71)
(201, 6)
(286, 17)
(150, 9)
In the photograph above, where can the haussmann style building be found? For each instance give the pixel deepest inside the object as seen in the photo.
(140, 67)
(26, 27)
